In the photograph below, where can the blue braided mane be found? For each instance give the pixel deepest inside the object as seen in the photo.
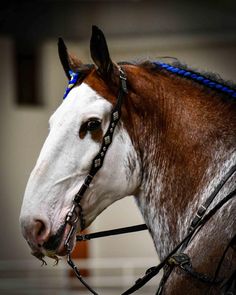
(179, 70)
(200, 78)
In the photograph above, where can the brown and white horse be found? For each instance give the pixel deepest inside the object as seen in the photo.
(175, 141)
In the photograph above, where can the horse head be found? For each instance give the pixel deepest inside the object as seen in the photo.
(171, 148)
(75, 136)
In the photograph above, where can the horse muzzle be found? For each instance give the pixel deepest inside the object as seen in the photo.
(38, 234)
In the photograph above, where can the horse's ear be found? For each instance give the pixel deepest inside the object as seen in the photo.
(64, 57)
(99, 52)
(68, 61)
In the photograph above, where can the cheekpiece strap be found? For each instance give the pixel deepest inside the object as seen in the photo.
(76, 212)
(107, 140)
(73, 80)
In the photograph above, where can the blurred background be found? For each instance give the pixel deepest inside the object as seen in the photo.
(32, 82)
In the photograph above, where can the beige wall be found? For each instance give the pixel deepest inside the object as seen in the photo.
(23, 130)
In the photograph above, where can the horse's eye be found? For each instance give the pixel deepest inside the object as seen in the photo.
(93, 124)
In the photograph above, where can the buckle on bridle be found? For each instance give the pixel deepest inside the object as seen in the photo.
(72, 216)
(123, 80)
(179, 259)
(68, 239)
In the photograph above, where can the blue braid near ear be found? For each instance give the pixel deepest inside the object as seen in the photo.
(197, 77)
(73, 80)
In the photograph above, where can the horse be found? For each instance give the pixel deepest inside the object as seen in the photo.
(170, 146)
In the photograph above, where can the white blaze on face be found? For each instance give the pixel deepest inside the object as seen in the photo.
(65, 160)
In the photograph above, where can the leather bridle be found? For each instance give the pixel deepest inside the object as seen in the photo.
(75, 214)
(176, 258)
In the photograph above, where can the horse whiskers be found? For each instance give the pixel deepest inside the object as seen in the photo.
(49, 254)
(40, 256)
(52, 255)
(56, 261)
(56, 258)
(43, 262)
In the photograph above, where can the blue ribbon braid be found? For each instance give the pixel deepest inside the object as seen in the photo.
(197, 77)
(73, 79)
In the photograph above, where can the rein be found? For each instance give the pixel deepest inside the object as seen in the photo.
(176, 257)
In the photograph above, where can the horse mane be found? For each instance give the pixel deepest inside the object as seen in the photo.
(209, 80)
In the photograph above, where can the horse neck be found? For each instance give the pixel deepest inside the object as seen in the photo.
(183, 141)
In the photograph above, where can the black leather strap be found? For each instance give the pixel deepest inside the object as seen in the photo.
(201, 211)
(112, 232)
(99, 158)
(153, 271)
(76, 212)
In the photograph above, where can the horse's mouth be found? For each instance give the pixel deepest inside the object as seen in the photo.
(56, 243)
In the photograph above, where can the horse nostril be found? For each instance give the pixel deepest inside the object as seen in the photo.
(40, 232)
